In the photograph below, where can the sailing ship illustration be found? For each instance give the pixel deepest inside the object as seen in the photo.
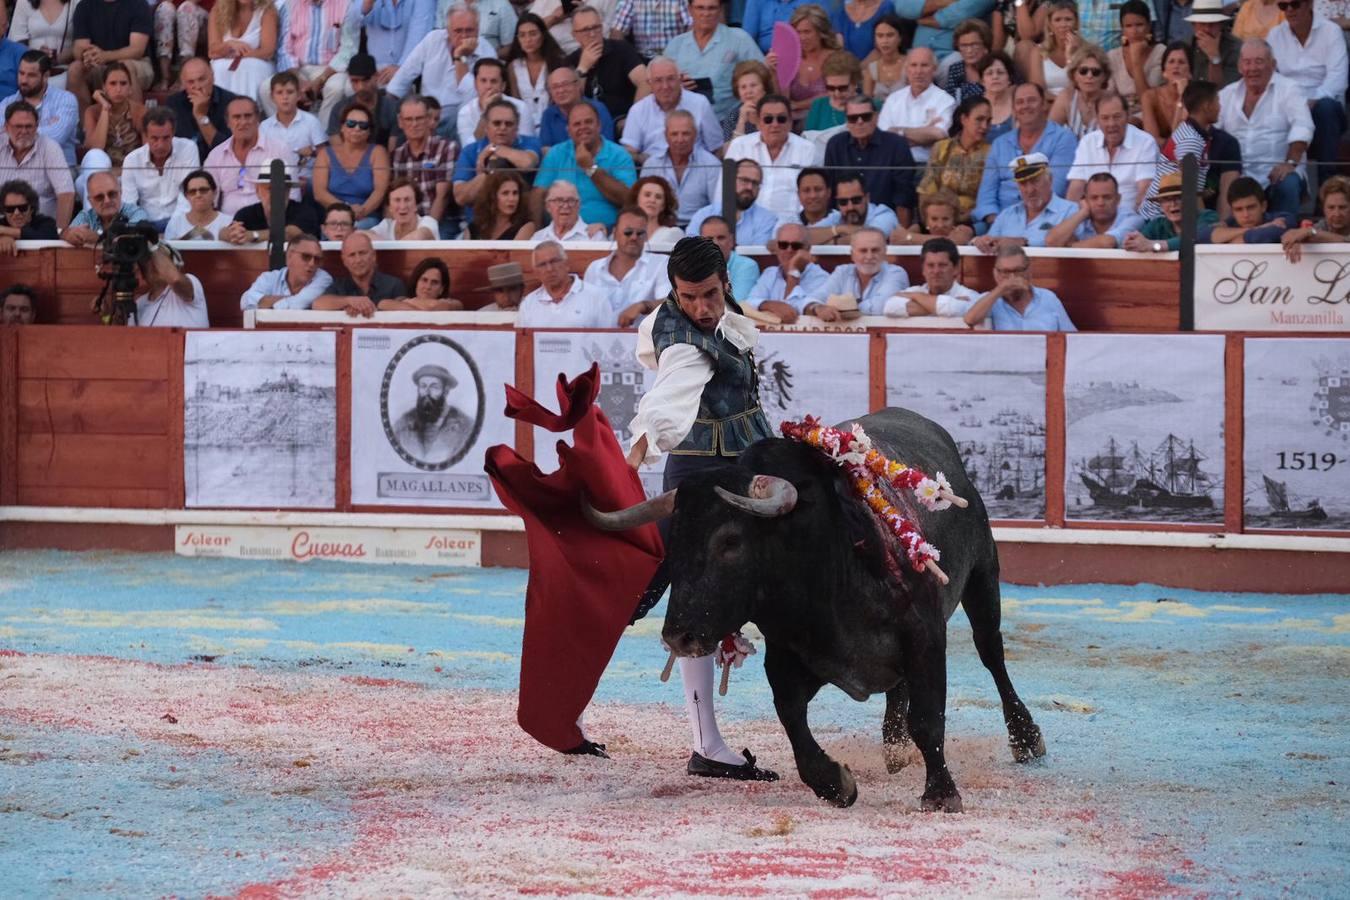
(1277, 494)
(1012, 465)
(1170, 477)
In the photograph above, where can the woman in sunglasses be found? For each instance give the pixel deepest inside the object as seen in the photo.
(1076, 108)
(20, 219)
(351, 169)
(202, 221)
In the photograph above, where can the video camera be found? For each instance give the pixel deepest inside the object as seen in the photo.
(124, 246)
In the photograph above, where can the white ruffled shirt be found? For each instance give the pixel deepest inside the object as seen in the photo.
(667, 411)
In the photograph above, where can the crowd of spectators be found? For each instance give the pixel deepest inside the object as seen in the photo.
(933, 123)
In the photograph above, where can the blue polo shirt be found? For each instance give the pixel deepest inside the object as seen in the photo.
(561, 165)
(1012, 222)
(1127, 220)
(997, 188)
(468, 157)
(742, 272)
(754, 228)
(1043, 313)
(553, 124)
(725, 49)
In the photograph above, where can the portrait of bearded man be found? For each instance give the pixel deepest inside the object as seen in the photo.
(434, 430)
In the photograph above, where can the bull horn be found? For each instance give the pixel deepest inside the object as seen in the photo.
(768, 497)
(639, 514)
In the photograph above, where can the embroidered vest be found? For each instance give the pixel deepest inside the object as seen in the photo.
(729, 416)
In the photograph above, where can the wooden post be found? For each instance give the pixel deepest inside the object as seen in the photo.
(1055, 433)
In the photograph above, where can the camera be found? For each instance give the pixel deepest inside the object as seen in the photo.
(124, 247)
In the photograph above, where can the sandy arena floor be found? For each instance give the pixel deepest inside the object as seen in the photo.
(189, 727)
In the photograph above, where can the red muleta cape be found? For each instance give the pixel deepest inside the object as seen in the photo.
(584, 583)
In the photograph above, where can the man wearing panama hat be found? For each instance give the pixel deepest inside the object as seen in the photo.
(1214, 50)
(1163, 233)
(252, 223)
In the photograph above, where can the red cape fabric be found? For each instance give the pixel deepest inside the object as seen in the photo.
(584, 583)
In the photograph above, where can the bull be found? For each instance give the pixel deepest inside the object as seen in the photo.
(781, 540)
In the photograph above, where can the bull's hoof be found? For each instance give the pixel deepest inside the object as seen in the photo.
(950, 803)
(897, 755)
(1030, 747)
(838, 788)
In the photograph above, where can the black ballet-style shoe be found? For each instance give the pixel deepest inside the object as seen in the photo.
(588, 748)
(711, 768)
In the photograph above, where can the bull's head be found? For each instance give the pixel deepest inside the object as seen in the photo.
(711, 550)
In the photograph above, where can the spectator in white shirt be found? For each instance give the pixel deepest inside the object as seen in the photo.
(153, 173)
(868, 278)
(562, 300)
(940, 294)
(296, 285)
(291, 125)
(644, 132)
(689, 169)
(920, 112)
(444, 61)
(780, 155)
(563, 203)
(1129, 154)
(489, 83)
(1310, 51)
(1269, 117)
(172, 299)
(635, 281)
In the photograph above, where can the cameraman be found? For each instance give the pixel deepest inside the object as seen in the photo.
(172, 298)
(105, 205)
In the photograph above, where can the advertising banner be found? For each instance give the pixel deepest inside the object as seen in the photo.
(411, 546)
(989, 393)
(426, 405)
(1296, 436)
(1255, 288)
(258, 419)
(1144, 420)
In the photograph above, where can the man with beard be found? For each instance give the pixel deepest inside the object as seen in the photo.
(434, 430)
(853, 210)
(754, 223)
(869, 278)
(28, 156)
(58, 110)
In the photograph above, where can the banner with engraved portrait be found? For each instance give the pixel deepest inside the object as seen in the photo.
(1248, 287)
(988, 391)
(426, 405)
(1296, 434)
(1144, 419)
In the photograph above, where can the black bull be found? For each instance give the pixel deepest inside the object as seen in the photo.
(805, 562)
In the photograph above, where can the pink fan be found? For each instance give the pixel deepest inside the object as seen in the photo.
(788, 48)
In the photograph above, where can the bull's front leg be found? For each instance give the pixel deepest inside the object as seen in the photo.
(926, 672)
(793, 687)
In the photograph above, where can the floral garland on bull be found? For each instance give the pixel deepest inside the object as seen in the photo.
(874, 477)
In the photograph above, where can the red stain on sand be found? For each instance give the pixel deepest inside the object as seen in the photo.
(367, 681)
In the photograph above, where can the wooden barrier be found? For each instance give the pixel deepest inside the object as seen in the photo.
(1102, 291)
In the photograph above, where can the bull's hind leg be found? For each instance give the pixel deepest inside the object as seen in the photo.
(984, 610)
(793, 687)
(896, 743)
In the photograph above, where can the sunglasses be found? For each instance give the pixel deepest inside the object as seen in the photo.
(1288, 5)
(310, 257)
(1090, 71)
(791, 245)
(859, 118)
(838, 88)
(774, 120)
(106, 195)
(631, 232)
(20, 209)
(850, 201)
(197, 191)
(357, 124)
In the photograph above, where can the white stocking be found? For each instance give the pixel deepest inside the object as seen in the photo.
(707, 741)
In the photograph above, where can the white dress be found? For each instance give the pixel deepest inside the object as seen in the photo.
(534, 95)
(252, 77)
(29, 27)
